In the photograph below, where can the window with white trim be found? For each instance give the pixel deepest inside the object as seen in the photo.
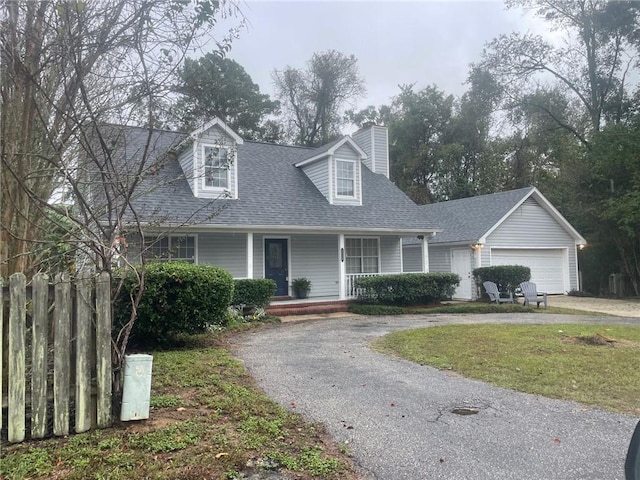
(345, 178)
(362, 255)
(215, 167)
(172, 248)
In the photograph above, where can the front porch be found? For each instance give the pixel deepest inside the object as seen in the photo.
(331, 262)
(285, 306)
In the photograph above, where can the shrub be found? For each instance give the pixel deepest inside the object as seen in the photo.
(363, 309)
(178, 298)
(408, 288)
(507, 277)
(253, 292)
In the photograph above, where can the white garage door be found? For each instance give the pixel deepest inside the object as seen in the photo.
(547, 266)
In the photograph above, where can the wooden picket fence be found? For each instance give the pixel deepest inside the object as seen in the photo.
(56, 352)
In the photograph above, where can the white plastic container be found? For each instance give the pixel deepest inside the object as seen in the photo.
(136, 389)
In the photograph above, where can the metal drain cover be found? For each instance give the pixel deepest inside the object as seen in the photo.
(465, 410)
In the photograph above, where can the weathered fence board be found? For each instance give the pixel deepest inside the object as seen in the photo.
(74, 323)
(84, 317)
(103, 349)
(1, 348)
(17, 341)
(40, 355)
(62, 356)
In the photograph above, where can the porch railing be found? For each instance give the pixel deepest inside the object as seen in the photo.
(351, 284)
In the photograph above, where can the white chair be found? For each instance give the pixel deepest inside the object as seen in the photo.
(495, 295)
(531, 294)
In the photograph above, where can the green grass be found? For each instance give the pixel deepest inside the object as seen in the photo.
(460, 308)
(558, 361)
(208, 420)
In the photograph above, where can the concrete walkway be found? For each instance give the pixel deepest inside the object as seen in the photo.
(397, 417)
(610, 306)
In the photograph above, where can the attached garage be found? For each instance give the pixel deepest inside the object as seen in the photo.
(518, 227)
(549, 266)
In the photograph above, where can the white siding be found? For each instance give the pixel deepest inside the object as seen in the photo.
(316, 257)
(364, 139)
(318, 173)
(216, 137)
(346, 152)
(186, 162)
(375, 143)
(390, 256)
(381, 150)
(224, 250)
(412, 258)
(439, 259)
(530, 226)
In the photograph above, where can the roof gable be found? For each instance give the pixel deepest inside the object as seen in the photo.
(473, 219)
(216, 122)
(330, 149)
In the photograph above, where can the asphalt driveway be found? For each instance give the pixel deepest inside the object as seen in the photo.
(397, 417)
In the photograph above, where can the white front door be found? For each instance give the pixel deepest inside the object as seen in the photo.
(461, 264)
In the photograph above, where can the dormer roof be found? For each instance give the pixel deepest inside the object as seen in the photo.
(330, 149)
(216, 122)
(272, 194)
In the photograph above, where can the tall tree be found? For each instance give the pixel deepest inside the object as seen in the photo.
(418, 131)
(68, 69)
(313, 99)
(215, 86)
(591, 66)
(441, 146)
(558, 97)
(613, 203)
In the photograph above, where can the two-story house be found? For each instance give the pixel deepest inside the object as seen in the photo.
(259, 210)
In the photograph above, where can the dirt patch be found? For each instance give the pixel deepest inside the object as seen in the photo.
(163, 417)
(599, 340)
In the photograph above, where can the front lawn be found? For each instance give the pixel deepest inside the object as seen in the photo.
(591, 364)
(208, 421)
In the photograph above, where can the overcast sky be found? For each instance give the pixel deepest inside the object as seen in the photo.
(396, 42)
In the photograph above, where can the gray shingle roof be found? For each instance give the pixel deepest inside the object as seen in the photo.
(274, 193)
(468, 219)
(319, 150)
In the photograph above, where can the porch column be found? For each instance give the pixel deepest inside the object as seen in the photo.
(425, 254)
(342, 267)
(250, 255)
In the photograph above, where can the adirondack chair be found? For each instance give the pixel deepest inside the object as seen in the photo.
(495, 295)
(531, 294)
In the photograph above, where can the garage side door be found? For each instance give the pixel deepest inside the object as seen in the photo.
(548, 266)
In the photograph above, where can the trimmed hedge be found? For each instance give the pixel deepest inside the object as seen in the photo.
(408, 288)
(253, 292)
(178, 298)
(507, 277)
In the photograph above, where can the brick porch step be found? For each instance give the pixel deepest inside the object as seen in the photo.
(308, 308)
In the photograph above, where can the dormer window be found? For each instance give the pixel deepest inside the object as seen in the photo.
(216, 168)
(345, 178)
